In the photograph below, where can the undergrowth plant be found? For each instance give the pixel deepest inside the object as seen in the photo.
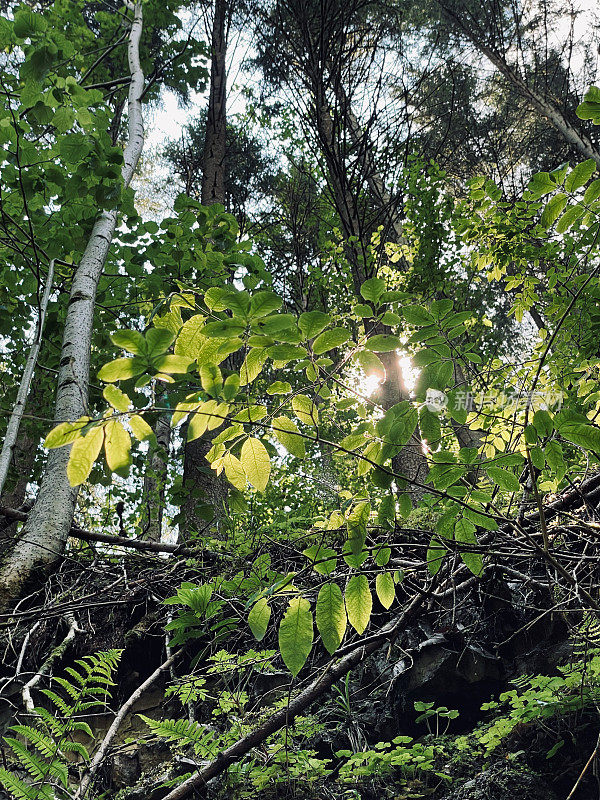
(42, 751)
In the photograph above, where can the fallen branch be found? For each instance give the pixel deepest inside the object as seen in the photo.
(122, 541)
(112, 731)
(335, 670)
(57, 653)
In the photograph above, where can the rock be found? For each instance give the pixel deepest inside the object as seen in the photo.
(501, 782)
(125, 768)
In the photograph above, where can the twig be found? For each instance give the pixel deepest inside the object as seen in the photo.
(57, 653)
(112, 731)
(584, 770)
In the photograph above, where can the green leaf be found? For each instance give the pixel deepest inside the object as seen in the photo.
(435, 555)
(252, 366)
(117, 445)
(592, 192)
(256, 463)
(279, 387)
(555, 459)
(305, 410)
(540, 185)
(363, 311)
(464, 532)
(27, 23)
(370, 363)
(159, 340)
(313, 322)
(542, 422)
(580, 175)
(372, 289)
(251, 414)
(417, 316)
(571, 215)
(121, 369)
(191, 340)
(325, 556)
(73, 147)
(234, 472)
(330, 616)
(65, 433)
(590, 108)
(359, 602)
(84, 452)
(198, 421)
(231, 386)
(357, 526)
(286, 352)
(264, 303)
(289, 436)
(211, 379)
(172, 365)
(382, 556)
(132, 341)
(258, 618)
(586, 436)
(330, 339)
(385, 588)
(140, 428)
(505, 479)
(296, 634)
(117, 399)
(383, 343)
(225, 329)
(553, 209)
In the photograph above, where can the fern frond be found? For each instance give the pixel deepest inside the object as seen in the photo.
(76, 747)
(78, 725)
(16, 787)
(58, 702)
(72, 691)
(181, 731)
(35, 766)
(53, 725)
(42, 743)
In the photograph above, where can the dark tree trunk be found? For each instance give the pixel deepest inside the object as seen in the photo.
(201, 485)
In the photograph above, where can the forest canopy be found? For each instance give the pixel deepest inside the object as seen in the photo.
(299, 482)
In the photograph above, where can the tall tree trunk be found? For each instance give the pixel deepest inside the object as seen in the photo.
(541, 104)
(411, 461)
(47, 528)
(213, 161)
(155, 481)
(201, 485)
(14, 423)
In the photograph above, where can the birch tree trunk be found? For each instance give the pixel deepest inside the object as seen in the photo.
(14, 423)
(46, 531)
(579, 141)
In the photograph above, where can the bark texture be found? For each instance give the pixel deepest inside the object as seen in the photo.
(155, 481)
(49, 522)
(14, 423)
(201, 485)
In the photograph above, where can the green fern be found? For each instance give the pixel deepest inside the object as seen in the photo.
(183, 732)
(42, 747)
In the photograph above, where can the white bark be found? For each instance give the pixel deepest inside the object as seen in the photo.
(48, 525)
(578, 141)
(12, 430)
